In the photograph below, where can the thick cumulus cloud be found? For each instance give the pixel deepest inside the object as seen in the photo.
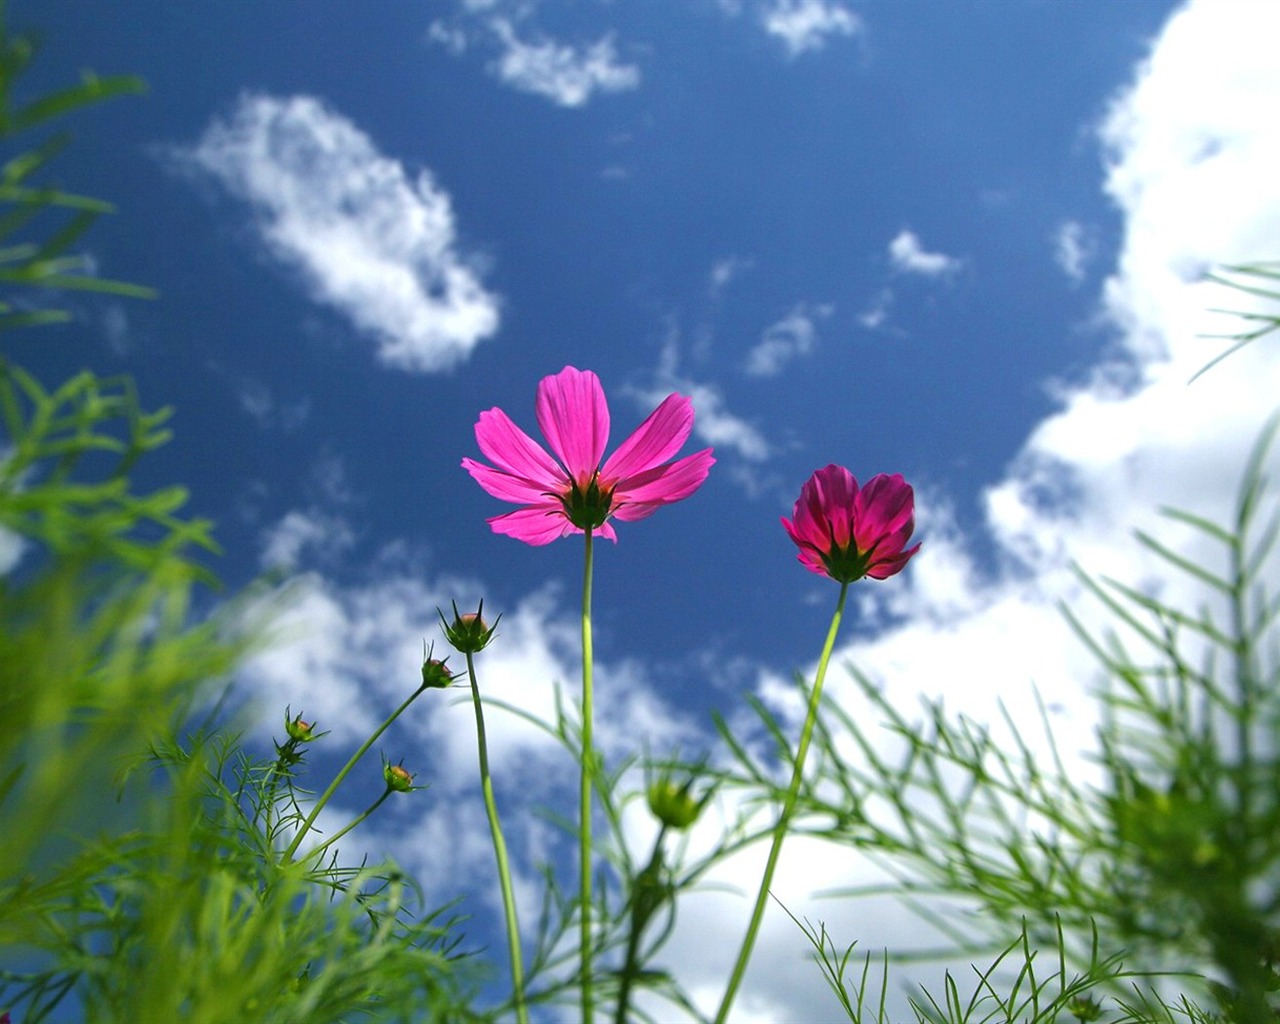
(1190, 150)
(369, 239)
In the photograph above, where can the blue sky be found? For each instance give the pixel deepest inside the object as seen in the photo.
(960, 241)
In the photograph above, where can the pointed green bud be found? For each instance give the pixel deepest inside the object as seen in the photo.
(398, 778)
(468, 632)
(298, 730)
(435, 673)
(674, 804)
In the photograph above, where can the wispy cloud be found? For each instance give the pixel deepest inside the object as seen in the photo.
(724, 271)
(876, 313)
(791, 337)
(713, 422)
(319, 535)
(567, 75)
(804, 26)
(908, 255)
(531, 61)
(1073, 248)
(369, 239)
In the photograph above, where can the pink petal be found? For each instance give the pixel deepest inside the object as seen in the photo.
(838, 505)
(890, 566)
(536, 525)
(504, 485)
(657, 439)
(574, 418)
(664, 484)
(810, 524)
(511, 449)
(884, 507)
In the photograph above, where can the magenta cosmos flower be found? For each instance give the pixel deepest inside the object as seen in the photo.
(847, 533)
(573, 491)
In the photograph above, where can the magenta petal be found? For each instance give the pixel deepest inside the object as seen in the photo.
(664, 484)
(511, 449)
(537, 525)
(891, 566)
(833, 502)
(574, 418)
(885, 506)
(660, 436)
(504, 485)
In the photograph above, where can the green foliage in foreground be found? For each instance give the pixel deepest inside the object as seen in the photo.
(140, 879)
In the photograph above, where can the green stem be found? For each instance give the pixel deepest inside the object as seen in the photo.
(346, 770)
(784, 818)
(350, 825)
(643, 906)
(500, 852)
(584, 795)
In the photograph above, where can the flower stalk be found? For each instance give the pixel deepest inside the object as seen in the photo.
(499, 849)
(784, 817)
(584, 792)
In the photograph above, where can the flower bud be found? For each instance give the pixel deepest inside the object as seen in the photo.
(674, 805)
(398, 778)
(435, 673)
(1084, 1008)
(298, 730)
(467, 632)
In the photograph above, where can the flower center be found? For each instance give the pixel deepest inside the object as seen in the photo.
(845, 565)
(588, 507)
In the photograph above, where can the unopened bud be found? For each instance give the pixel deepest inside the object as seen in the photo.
(398, 778)
(1084, 1008)
(674, 805)
(468, 632)
(435, 673)
(298, 730)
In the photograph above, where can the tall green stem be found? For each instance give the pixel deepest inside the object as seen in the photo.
(346, 770)
(784, 818)
(500, 853)
(584, 795)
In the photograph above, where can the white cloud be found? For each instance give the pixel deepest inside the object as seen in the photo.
(876, 314)
(713, 422)
(791, 337)
(531, 61)
(1074, 247)
(716, 425)
(115, 325)
(283, 544)
(567, 75)
(259, 403)
(368, 238)
(807, 25)
(724, 271)
(451, 37)
(908, 255)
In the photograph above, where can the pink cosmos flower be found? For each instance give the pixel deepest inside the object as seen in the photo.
(573, 491)
(847, 533)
